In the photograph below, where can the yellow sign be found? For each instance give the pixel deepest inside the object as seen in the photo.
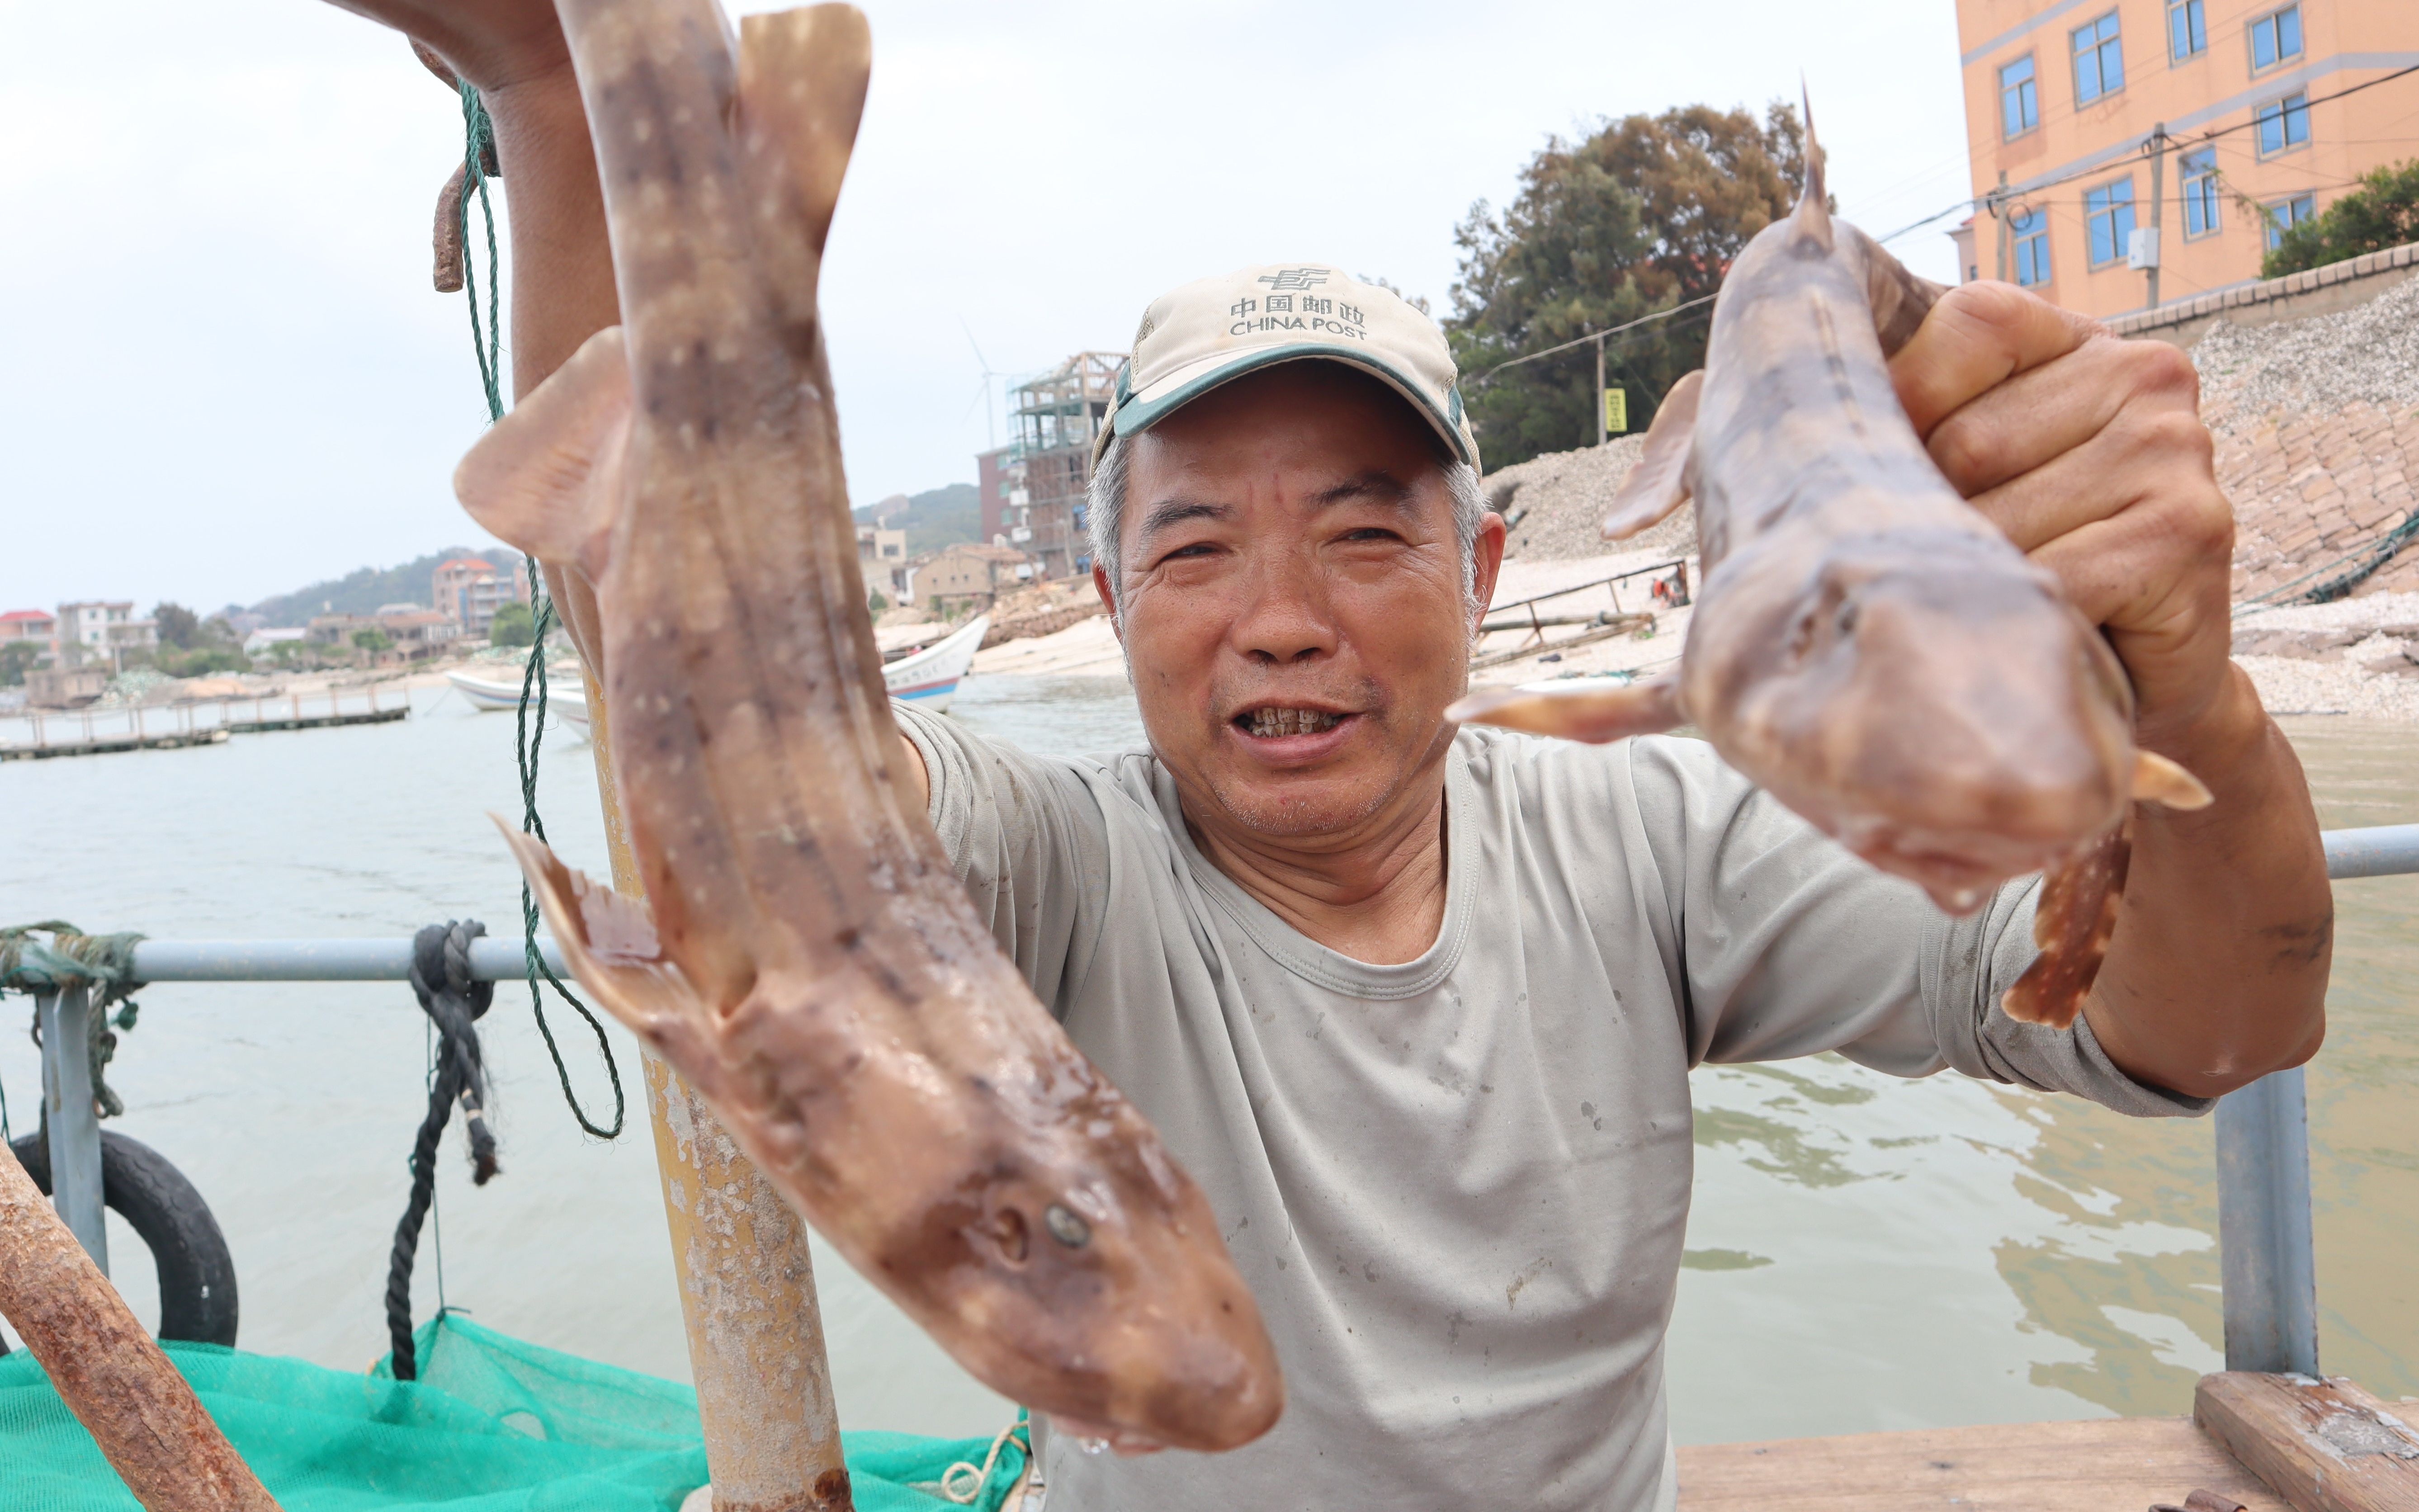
(1616, 411)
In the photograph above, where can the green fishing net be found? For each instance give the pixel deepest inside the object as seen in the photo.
(493, 1425)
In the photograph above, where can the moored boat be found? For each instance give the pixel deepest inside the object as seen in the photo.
(489, 694)
(928, 678)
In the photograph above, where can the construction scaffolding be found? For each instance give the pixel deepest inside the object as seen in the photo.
(1047, 465)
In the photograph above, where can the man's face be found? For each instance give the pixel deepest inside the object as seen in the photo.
(1294, 612)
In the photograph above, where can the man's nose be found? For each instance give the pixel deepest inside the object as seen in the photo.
(1284, 617)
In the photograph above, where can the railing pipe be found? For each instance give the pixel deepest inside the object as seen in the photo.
(2266, 1258)
(494, 958)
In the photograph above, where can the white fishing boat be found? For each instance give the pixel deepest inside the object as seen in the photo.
(928, 678)
(488, 694)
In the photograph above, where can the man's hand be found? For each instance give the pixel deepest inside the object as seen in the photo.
(495, 44)
(2088, 451)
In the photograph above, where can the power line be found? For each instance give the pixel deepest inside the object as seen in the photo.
(1581, 341)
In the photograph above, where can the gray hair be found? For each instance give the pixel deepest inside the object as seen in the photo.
(1106, 504)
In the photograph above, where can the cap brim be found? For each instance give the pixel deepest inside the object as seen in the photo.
(1183, 386)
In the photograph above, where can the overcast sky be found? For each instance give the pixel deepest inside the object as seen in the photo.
(225, 374)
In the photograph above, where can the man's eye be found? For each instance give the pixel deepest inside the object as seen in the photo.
(1371, 533)
(1198, 549)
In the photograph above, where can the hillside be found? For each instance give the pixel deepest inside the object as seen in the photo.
(932, 519)
(364, 589)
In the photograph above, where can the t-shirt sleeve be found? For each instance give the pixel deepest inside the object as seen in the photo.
(1030, 842)
(1787, 945)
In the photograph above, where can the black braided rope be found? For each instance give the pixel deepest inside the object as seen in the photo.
(454, 1000)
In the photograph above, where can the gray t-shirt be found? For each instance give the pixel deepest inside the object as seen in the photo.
(1459, 1186)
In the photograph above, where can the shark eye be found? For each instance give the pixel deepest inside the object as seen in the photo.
(1846, 617)
(1066, 1227)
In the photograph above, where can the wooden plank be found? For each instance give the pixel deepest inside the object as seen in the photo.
(2325, 1445)
(2123, 1464)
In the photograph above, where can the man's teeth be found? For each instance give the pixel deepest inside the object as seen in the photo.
(1269, 724)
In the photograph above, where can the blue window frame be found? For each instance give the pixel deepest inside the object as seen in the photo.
(2187, 30)
(2287, 213)
(2019, 99)
(2108, 216)
(2277, 37)
(1079, 516)
(2099, 59)
(2200, 173)
(1083, 564)
(2029, 229)
(2284, 124)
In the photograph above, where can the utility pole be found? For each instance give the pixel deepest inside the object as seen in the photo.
(2158, 204)
(1999, 213)
(1599, 390)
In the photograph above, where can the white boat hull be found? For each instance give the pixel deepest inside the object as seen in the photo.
(929, 678)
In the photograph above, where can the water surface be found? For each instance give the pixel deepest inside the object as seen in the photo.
(1865, 1253)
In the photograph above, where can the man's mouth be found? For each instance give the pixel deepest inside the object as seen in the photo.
(1272, 723)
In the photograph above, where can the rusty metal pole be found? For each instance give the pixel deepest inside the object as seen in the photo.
(748, 1285)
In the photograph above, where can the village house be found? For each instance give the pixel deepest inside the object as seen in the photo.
(882, 562)
(418, 633)
(19, 625)
(101, 627)
(967, 578)
(470, 590)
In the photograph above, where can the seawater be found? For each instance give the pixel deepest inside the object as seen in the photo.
(1865, 1253)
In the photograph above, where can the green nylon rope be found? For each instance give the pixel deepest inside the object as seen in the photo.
(478, 149)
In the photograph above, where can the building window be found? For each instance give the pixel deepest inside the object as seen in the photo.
(2276, 37)
(2019, 101)
(2030, 230)
(2287, 213)
(2284, 124)
(1079, 516)
(2200, 192)
(2099, 60)
(2108, 215)
(2187, 30)
(1083, 564)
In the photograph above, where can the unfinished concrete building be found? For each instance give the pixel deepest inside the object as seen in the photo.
(1040, 475)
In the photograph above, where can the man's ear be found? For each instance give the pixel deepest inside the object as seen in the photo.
(1108, 600)
(1486, 565)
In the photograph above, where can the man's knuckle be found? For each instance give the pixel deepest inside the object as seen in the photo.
(1964, 450)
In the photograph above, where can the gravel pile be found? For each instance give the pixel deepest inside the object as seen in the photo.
(1565, 495)
(2321, 362)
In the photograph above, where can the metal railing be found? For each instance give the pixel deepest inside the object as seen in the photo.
(2263, 1149)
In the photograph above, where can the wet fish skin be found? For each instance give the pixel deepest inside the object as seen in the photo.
(806, 957)
(1866, 645)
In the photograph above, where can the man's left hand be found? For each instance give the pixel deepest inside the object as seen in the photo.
(2088, 451)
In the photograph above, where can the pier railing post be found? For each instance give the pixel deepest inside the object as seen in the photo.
(748, 1285)
(2265, 1252)
(74, 1122)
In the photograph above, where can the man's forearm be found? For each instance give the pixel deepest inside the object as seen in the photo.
(562, 262)
(2218, 971)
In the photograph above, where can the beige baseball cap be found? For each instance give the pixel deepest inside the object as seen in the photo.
(1216, 329)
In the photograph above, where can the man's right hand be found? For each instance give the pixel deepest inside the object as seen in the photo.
(495, 44)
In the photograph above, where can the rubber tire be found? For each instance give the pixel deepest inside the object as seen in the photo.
(197, 1291)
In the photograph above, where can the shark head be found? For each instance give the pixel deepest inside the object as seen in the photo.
(1928, 697)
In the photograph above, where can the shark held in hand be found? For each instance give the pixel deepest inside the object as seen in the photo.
(806, 956)
(1866, 645)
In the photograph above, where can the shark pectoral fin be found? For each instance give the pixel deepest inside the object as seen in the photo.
(802, 79)
(1661, 482)
(2159, 780)
(2073, 920)
(1576, 711)
(609, 943)
(548, 477)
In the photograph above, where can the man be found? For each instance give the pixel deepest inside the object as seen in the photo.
(1417, 1006)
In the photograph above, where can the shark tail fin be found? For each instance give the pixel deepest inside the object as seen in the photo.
(1577, 710)
(802, 80)
(609, 943)
(1810, 223)
(2074, 920)
(1663, 478)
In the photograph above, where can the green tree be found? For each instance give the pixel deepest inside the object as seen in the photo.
(1643, 215)
(372, 640)
(2382, 212)
(202, 660)
(178, 626)
(16, 658)
(513, 626)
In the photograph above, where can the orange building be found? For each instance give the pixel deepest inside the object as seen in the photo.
(2202, 125)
